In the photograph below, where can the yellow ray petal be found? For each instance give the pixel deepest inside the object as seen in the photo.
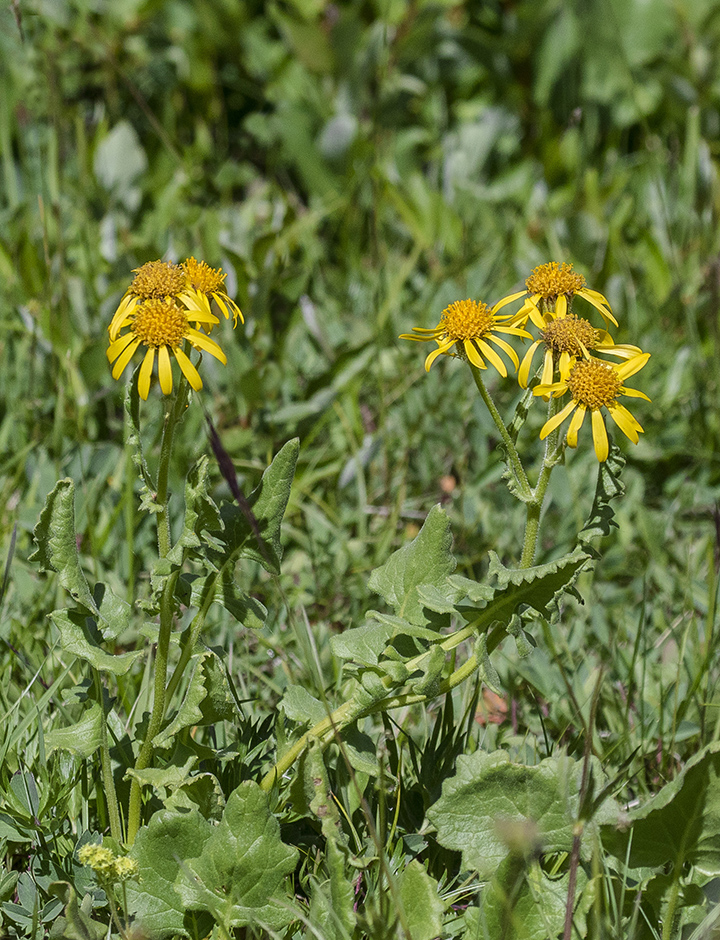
(188, 369)
(209, 345)
(600, 438)
(561, 307)
(557, 419)
(125, 357)
(472, 354)
(547, 372)
(491, 355)
(437, 352)
(632, 366)
(507, 300)
(126, 305)
(145, 373)
(633, 393)
(606, 314)
(566, 362)
(524, 371)
(625, 421)
(114, 349)
(575, 425)
(506, 348)
(164, 370)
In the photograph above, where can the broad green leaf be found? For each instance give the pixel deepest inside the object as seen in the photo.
(423, 909)
(267, 502)
(83, 738)
(76, 924)
(523, 903)
(56, 541)
(366, 644)
(242, 867)
(208, 699)
(201, 513)
(168, 842)
(162, 779)
(80, 636)
(301, 707)
(489, 797)
(202, 792)
(680, 824)
(427, 560)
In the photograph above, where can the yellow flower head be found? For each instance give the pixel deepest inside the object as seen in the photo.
(209, 284)
(594, 385)
(550, 290)
(157, 280)
(162, 325)
(567, 339)
(469, 326)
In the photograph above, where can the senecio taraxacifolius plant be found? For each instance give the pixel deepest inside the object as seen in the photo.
(410, 655)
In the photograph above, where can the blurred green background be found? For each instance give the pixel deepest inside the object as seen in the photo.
(354, 167)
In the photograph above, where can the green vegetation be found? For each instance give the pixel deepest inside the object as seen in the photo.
(378, 722)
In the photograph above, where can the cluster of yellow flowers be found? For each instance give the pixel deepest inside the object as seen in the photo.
(467, 328)
(166, 307)
(109, 868)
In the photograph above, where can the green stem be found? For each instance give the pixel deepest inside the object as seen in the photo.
(106, 766)
(350, 712)
(535, 505)
(515, 463)
(673, 897)
(159, 698)
(174, 409)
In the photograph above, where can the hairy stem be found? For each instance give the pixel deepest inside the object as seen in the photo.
(514, 461)
(106, 767)
(535, 505)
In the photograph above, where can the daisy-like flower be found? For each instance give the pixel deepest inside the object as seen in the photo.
(162, 325)
(209, 284)
(470, 327)
(566, 339)
(595, 385)
(550, 290)
(155, 281)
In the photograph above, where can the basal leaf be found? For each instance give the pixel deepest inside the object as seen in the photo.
(680, 824)
(427, 560)
(242, 866)
(80, 636)
(422, 907)
(489, 794)
(76, 924)
(300, 706)
(168, 842)
(83, 738)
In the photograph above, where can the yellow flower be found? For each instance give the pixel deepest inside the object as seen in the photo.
(594, 385)
(161, 324)
(470, 326)
(209, 284)
(550, 290)
(566, 339)
(157, 280)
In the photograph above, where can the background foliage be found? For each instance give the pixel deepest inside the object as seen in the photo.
(355, 167)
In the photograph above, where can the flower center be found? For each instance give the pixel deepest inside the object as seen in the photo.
(466, 319)
(160, 323)
(158, 279)
(202, 277)
(552, 279)
(594, 383)
(568, 333)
